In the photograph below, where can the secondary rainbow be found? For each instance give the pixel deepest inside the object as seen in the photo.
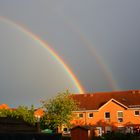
(50, 50)
(100, 61)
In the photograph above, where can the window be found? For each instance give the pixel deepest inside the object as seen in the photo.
(98, 131)
(80, 115)
(121, 129)
(120, 116)
(108, 129)
(66, 131)
(107, 115)
(90, 115)
(137, 113)
(129, 129)
(120, 119)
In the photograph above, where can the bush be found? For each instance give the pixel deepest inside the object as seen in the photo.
(21, 112)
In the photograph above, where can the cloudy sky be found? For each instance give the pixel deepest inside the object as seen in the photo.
(98, 39)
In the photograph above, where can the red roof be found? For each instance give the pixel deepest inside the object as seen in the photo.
(93, 101)
(39, 112)
(4, 106)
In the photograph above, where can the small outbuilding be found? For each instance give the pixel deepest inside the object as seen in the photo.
(16, 125)
(80, 133)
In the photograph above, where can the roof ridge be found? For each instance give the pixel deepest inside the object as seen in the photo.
(116, 91)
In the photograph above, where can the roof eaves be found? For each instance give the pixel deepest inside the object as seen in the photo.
(86, 111)
(134, 108)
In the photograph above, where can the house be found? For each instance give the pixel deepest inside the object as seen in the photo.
(39, 113)
(4, 106)
(109, 111)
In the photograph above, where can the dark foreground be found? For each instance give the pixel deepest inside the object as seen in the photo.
(118, 136)
(29, 136)
(115, 136)
(41, 136)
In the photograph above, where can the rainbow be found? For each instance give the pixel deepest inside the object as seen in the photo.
(103, 65)
(50, 50)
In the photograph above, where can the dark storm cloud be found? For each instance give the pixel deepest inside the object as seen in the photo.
(112, 27)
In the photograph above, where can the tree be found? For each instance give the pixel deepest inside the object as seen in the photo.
(21, 112)
(59, 110)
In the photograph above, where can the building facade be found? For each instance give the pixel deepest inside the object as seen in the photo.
(109, 111)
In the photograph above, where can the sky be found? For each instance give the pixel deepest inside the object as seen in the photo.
(98, 40)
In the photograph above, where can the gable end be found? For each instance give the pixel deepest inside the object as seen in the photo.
(114, 101)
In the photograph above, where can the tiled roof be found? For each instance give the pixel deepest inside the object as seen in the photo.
(93, 101)
(39, 112)
(4, 106)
